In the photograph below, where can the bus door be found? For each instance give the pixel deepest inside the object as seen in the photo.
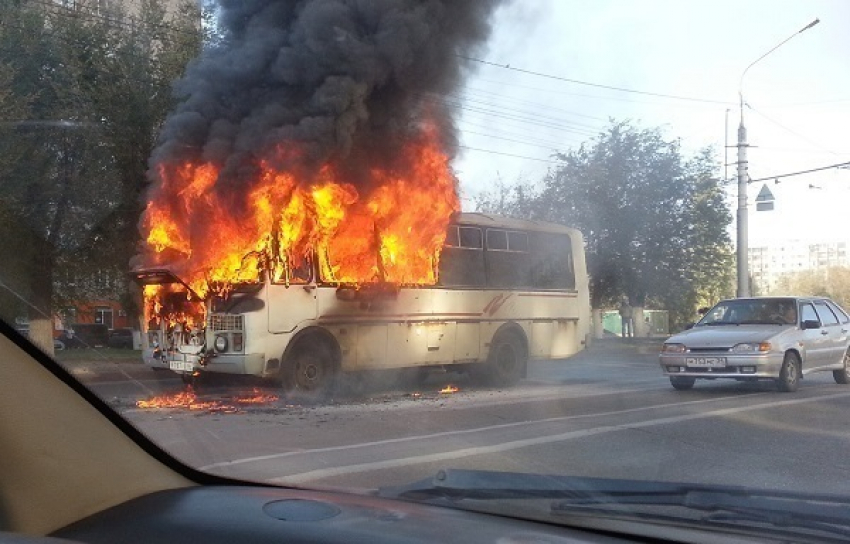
(289, 306)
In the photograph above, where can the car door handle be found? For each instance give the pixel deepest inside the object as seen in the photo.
(824, 333)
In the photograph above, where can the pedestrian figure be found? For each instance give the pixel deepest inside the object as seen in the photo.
(626, 319)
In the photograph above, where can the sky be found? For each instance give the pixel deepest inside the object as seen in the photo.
(797, 99)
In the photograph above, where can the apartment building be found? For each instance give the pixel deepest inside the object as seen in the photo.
(768, 263)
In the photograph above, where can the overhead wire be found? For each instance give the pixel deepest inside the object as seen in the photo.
(516, 132)
(520, 112)
(551, 148)
(801, 172)
(502, 83)
(538, 121)
(502, 96)
(597, 85)
(791, 131)
(491, 151)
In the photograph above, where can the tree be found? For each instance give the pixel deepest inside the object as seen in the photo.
(518, 200)
(832, 282)
(654, 222)
(84, 97)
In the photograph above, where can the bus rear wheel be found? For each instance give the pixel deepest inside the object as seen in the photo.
(506, 363)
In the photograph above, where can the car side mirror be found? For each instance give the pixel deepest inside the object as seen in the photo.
(811, 324)
(689, 326)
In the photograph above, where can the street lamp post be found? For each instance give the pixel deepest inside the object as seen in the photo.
(743, 267)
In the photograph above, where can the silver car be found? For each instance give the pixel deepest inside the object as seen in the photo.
(777, 338)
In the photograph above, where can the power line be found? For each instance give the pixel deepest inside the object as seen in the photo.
(795, 133)
(598, 85)
(549, 143)
(513, 111)
(801, 172)
(507, 154)
(550, 148)
(595, 96)
(532, 103)
(539, 121)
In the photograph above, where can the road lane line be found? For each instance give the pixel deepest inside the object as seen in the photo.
(468, 431)
(304, 477)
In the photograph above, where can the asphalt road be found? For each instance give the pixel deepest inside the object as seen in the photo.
(607, 412)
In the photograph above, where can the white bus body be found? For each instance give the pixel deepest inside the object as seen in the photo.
(486, 312)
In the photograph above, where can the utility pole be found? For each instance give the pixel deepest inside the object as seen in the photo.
(742, 219)
(742, 239)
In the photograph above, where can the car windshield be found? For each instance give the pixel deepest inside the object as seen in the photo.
(762, 311)
(348, 244)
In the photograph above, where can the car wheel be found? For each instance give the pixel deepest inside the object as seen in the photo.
(789, 376)
(843, 376)
(682, 383)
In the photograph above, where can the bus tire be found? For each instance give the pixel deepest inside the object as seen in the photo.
(311, 367)
(506, 362)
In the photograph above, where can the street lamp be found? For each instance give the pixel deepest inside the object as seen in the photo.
(743, 268)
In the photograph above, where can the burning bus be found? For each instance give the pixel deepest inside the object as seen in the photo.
(504, 290)
(303, 217)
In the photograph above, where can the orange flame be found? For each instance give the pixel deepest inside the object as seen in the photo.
(215, 237)
(188, 400)
(449, 389)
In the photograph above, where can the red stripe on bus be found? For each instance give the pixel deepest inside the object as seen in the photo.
(372, 316)
(555, 295)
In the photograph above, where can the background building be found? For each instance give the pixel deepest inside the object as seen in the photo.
(768, 263)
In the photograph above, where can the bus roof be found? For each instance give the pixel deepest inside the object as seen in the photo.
(500, 221)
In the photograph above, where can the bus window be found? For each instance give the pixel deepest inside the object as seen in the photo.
(497, 240)
(470, 238)
(462, 260)
(293, 269)
(507, 266)
(518, 241)
(551, 261)
(452, 237)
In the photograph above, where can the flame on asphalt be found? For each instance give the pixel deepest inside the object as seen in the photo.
(188, 400)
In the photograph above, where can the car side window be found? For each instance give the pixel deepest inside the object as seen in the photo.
(827, 317)
(842, 316)
(809, 313)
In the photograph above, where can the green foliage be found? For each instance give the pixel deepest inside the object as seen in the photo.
(654, 221)
(82, 97)
(832, 282)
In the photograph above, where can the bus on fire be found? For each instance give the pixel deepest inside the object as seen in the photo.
(507, 290)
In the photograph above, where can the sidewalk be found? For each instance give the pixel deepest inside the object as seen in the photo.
(643, 346)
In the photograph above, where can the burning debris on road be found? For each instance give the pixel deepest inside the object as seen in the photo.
(313, 131)
(189, 400)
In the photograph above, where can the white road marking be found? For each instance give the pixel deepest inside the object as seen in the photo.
(467, 431)
(312, 475)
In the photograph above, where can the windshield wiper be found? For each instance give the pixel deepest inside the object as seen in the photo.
(719, 323)
(780, 519)
(727, 504)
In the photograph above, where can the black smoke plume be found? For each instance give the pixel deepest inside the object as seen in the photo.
(346, 82)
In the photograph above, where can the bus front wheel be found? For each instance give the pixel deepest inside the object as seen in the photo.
(312, 368)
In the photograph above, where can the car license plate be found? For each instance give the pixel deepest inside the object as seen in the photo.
(705, 362)
(181, 366)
